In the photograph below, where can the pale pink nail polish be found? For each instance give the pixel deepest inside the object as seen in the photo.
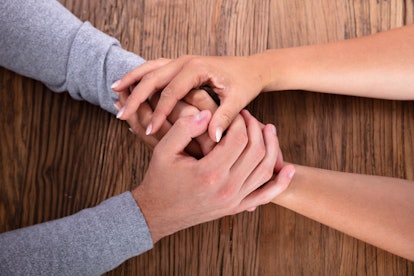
(219, 133)
(115, 84)
(120, 113)
(149, 129)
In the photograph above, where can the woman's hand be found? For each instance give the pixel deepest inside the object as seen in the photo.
(179, 191)
(236, 81)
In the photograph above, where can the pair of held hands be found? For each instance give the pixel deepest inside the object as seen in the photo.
(192, 179)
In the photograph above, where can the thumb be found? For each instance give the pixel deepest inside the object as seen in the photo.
(222, 119)
(182, 132)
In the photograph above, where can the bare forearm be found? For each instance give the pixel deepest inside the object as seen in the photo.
(378, 210)
(377, 66)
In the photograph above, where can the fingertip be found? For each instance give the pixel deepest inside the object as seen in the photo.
(290, 171)
(116, 85)
(252, 209)
(218, 134)
(120, 113)
(117, 105)
(149, 129)
(202, 115)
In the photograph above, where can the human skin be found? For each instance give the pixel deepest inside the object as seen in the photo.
(223, 182)
(378, 210)
(375, 209)
(377, 66)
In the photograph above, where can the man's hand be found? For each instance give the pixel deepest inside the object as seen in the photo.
(179, 191)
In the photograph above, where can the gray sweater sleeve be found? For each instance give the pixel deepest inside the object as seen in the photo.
(90, 242)
(42, 40)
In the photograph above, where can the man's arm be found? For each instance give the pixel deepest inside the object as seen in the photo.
(378, 210)
(41, 39)
(90, 242)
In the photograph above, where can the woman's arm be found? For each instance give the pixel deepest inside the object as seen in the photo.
(378, 210)
(376, 66)
(380, 66)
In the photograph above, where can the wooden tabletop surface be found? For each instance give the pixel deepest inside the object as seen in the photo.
(58, 156)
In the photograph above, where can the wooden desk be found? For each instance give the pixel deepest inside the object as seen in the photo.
(58, 156)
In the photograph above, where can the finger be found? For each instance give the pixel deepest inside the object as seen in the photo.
(137, 129)
(182, 132)
(200, 99)
(148, 85)
(223, 117)
(191, 76)
(153, 81)
(183, 109)
(226, 153)
(269, 191)
(133, 121)
(264, 171)
(202, 144)
(135, 75)
(279, 162)
(254, 152)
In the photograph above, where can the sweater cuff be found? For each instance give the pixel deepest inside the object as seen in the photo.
(96, 61)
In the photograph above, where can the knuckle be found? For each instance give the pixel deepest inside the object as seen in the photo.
(181, 123)
(211, 178)
(266, 172)
(195, 61)
(241, 139)
(162, 61)
(226, 194)
(148, 77)
(168, 93)
(226, 118)
(259, 152)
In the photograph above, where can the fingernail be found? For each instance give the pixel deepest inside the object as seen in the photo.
(131, 130)
(120, 113)
(219, 133)
(291, 174)
(200, 115)
(149, 129)
(274, 130)
(115, 84)
(117, 106)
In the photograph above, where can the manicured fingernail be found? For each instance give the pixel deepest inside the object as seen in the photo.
(149, 129)
(120, 112)
(115, 84)
(131, 130)
(291, 174)
(117, 106)
(219, 133)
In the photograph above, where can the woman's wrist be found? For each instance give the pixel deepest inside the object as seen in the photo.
(273, 66)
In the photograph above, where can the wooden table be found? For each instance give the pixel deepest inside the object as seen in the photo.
(58, 156)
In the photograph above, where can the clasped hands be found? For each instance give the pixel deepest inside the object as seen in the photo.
(191, 178)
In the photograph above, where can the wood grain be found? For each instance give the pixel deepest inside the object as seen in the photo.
(58, 156)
